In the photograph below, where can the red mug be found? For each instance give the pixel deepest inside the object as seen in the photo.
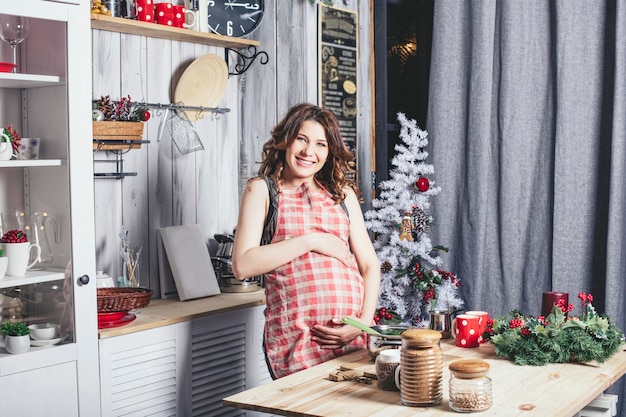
(145, 10)
(179, 17)
(483, 317)
(163, 14)
(466, 329)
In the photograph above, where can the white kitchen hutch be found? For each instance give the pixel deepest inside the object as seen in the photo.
(50, 98)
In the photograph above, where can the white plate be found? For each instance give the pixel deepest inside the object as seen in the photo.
(44, 343)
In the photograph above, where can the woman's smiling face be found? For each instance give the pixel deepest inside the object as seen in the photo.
(307, 154)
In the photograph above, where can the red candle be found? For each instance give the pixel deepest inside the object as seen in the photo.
(549, 299)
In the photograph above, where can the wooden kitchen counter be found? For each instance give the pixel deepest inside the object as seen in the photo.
(164, 312)
(554, 390)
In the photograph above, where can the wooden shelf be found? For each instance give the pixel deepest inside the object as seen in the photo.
(154, 30)
(32, 277)
(18, 80)
(26, 163)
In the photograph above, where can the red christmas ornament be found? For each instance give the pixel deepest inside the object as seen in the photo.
(422, 184)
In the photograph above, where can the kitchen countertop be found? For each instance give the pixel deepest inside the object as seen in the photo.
(554, 390)
(164, 312)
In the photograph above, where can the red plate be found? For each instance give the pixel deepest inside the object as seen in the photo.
(111, 317)
(7, 66)
(121, 322)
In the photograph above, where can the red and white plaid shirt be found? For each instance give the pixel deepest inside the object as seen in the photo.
(312, 289)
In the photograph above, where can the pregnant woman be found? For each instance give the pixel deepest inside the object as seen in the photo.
(301, 226)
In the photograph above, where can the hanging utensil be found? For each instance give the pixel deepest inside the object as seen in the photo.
(162, 122)
(183, 133)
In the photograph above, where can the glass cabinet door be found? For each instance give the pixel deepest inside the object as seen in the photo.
(50, 199)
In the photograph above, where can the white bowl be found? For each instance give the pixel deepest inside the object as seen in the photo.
(43, 331)
(104, 281)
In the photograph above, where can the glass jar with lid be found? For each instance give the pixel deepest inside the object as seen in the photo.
(420, 373)
(470, 387)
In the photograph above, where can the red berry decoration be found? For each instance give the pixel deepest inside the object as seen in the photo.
(422, 184)
(14, 236)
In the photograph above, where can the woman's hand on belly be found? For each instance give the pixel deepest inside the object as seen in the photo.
(335, 335)
(331, 245)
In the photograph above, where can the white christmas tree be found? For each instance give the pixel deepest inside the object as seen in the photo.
(412, 283)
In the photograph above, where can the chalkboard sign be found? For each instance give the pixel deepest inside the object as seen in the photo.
(337, 56)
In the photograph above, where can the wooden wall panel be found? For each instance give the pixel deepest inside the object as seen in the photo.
(204, 187)
(106, 80)
(135, 213)
(257, 88)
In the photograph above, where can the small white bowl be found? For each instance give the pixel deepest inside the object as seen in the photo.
(104, 281)
(43, 331)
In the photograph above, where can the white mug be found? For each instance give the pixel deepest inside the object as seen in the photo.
(19, 255)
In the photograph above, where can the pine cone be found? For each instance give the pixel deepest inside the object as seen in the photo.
(420, 221)
(385, 267)
(105, 105)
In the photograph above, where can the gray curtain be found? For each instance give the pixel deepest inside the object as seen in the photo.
(527, 130)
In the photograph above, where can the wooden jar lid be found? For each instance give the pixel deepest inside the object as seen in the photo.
(469, 368)
(421, 337)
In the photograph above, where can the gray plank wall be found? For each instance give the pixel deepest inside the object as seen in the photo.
(204, 187)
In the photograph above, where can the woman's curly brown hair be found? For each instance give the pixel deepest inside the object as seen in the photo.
(334, 175)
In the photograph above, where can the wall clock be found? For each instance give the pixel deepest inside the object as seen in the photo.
(233, 17)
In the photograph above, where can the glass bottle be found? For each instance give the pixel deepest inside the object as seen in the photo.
(421, 368)
(470, 387)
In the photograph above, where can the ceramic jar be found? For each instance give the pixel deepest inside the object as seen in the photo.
(470, 388)
(386, 363)
(420, 373)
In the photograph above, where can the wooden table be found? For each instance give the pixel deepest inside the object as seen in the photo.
(161, 313)
(530, 391)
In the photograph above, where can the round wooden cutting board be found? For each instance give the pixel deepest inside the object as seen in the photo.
(202, 84)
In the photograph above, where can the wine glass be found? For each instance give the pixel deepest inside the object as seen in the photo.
(13, 30)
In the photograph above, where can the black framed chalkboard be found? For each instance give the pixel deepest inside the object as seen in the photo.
(338, 57)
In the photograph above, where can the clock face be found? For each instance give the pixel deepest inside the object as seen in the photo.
(233, 17)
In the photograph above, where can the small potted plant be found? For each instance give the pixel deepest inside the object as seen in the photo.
(9, 143)
(17, 336)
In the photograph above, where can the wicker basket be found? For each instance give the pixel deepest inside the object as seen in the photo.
(122, 299)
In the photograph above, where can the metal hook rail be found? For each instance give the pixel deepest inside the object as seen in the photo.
(119, 168)
(178, 106)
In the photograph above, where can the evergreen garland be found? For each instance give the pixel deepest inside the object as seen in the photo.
(556, 338)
